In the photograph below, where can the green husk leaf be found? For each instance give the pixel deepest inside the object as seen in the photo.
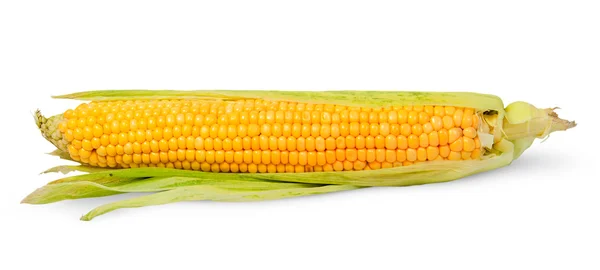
(87, 189)
(61, 154)
(347, 98)
(157, 183)
(197, 193)
(68, 191)
(521, 144)
(65, 169)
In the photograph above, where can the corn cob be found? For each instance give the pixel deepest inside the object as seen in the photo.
(338, 137)
(263, 136)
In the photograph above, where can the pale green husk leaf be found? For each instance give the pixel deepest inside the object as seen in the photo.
(54, 192)
(347, 98)
(198, 193)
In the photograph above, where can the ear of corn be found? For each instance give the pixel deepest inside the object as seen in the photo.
(420, 156)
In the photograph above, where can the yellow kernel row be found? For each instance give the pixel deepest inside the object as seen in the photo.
(93, 113)
(346, 138)
(126, 158)
(345, 165)
(140, 145)
(217, 107)
(120, 122)
(286, 130)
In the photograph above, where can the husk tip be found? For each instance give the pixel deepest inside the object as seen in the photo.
(29, 199)
(38, 118)
(60, 97)
(557, 122)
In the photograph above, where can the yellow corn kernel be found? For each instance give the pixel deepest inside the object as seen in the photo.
(475, 122)
(457, 145)
(470, 132)
(390, 155)
(358, 165)
(402, 116)
(432, 152)
(391, 142)
(438, 111)
(413, 141)
(424, 118)
(447, 122)
(421, 154)
(400, 155)
(402, 142)
(413, 117)
(477, 143)
(433, 138)
(454, 155)
(411, 154)
(424, 140)
(417, 129)
(444, 151)
(454, 134)
(427, 128)
(457, 117)
(444, 136)
(374, 165)
(468, 144)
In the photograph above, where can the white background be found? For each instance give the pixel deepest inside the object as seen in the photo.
(539, 213)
